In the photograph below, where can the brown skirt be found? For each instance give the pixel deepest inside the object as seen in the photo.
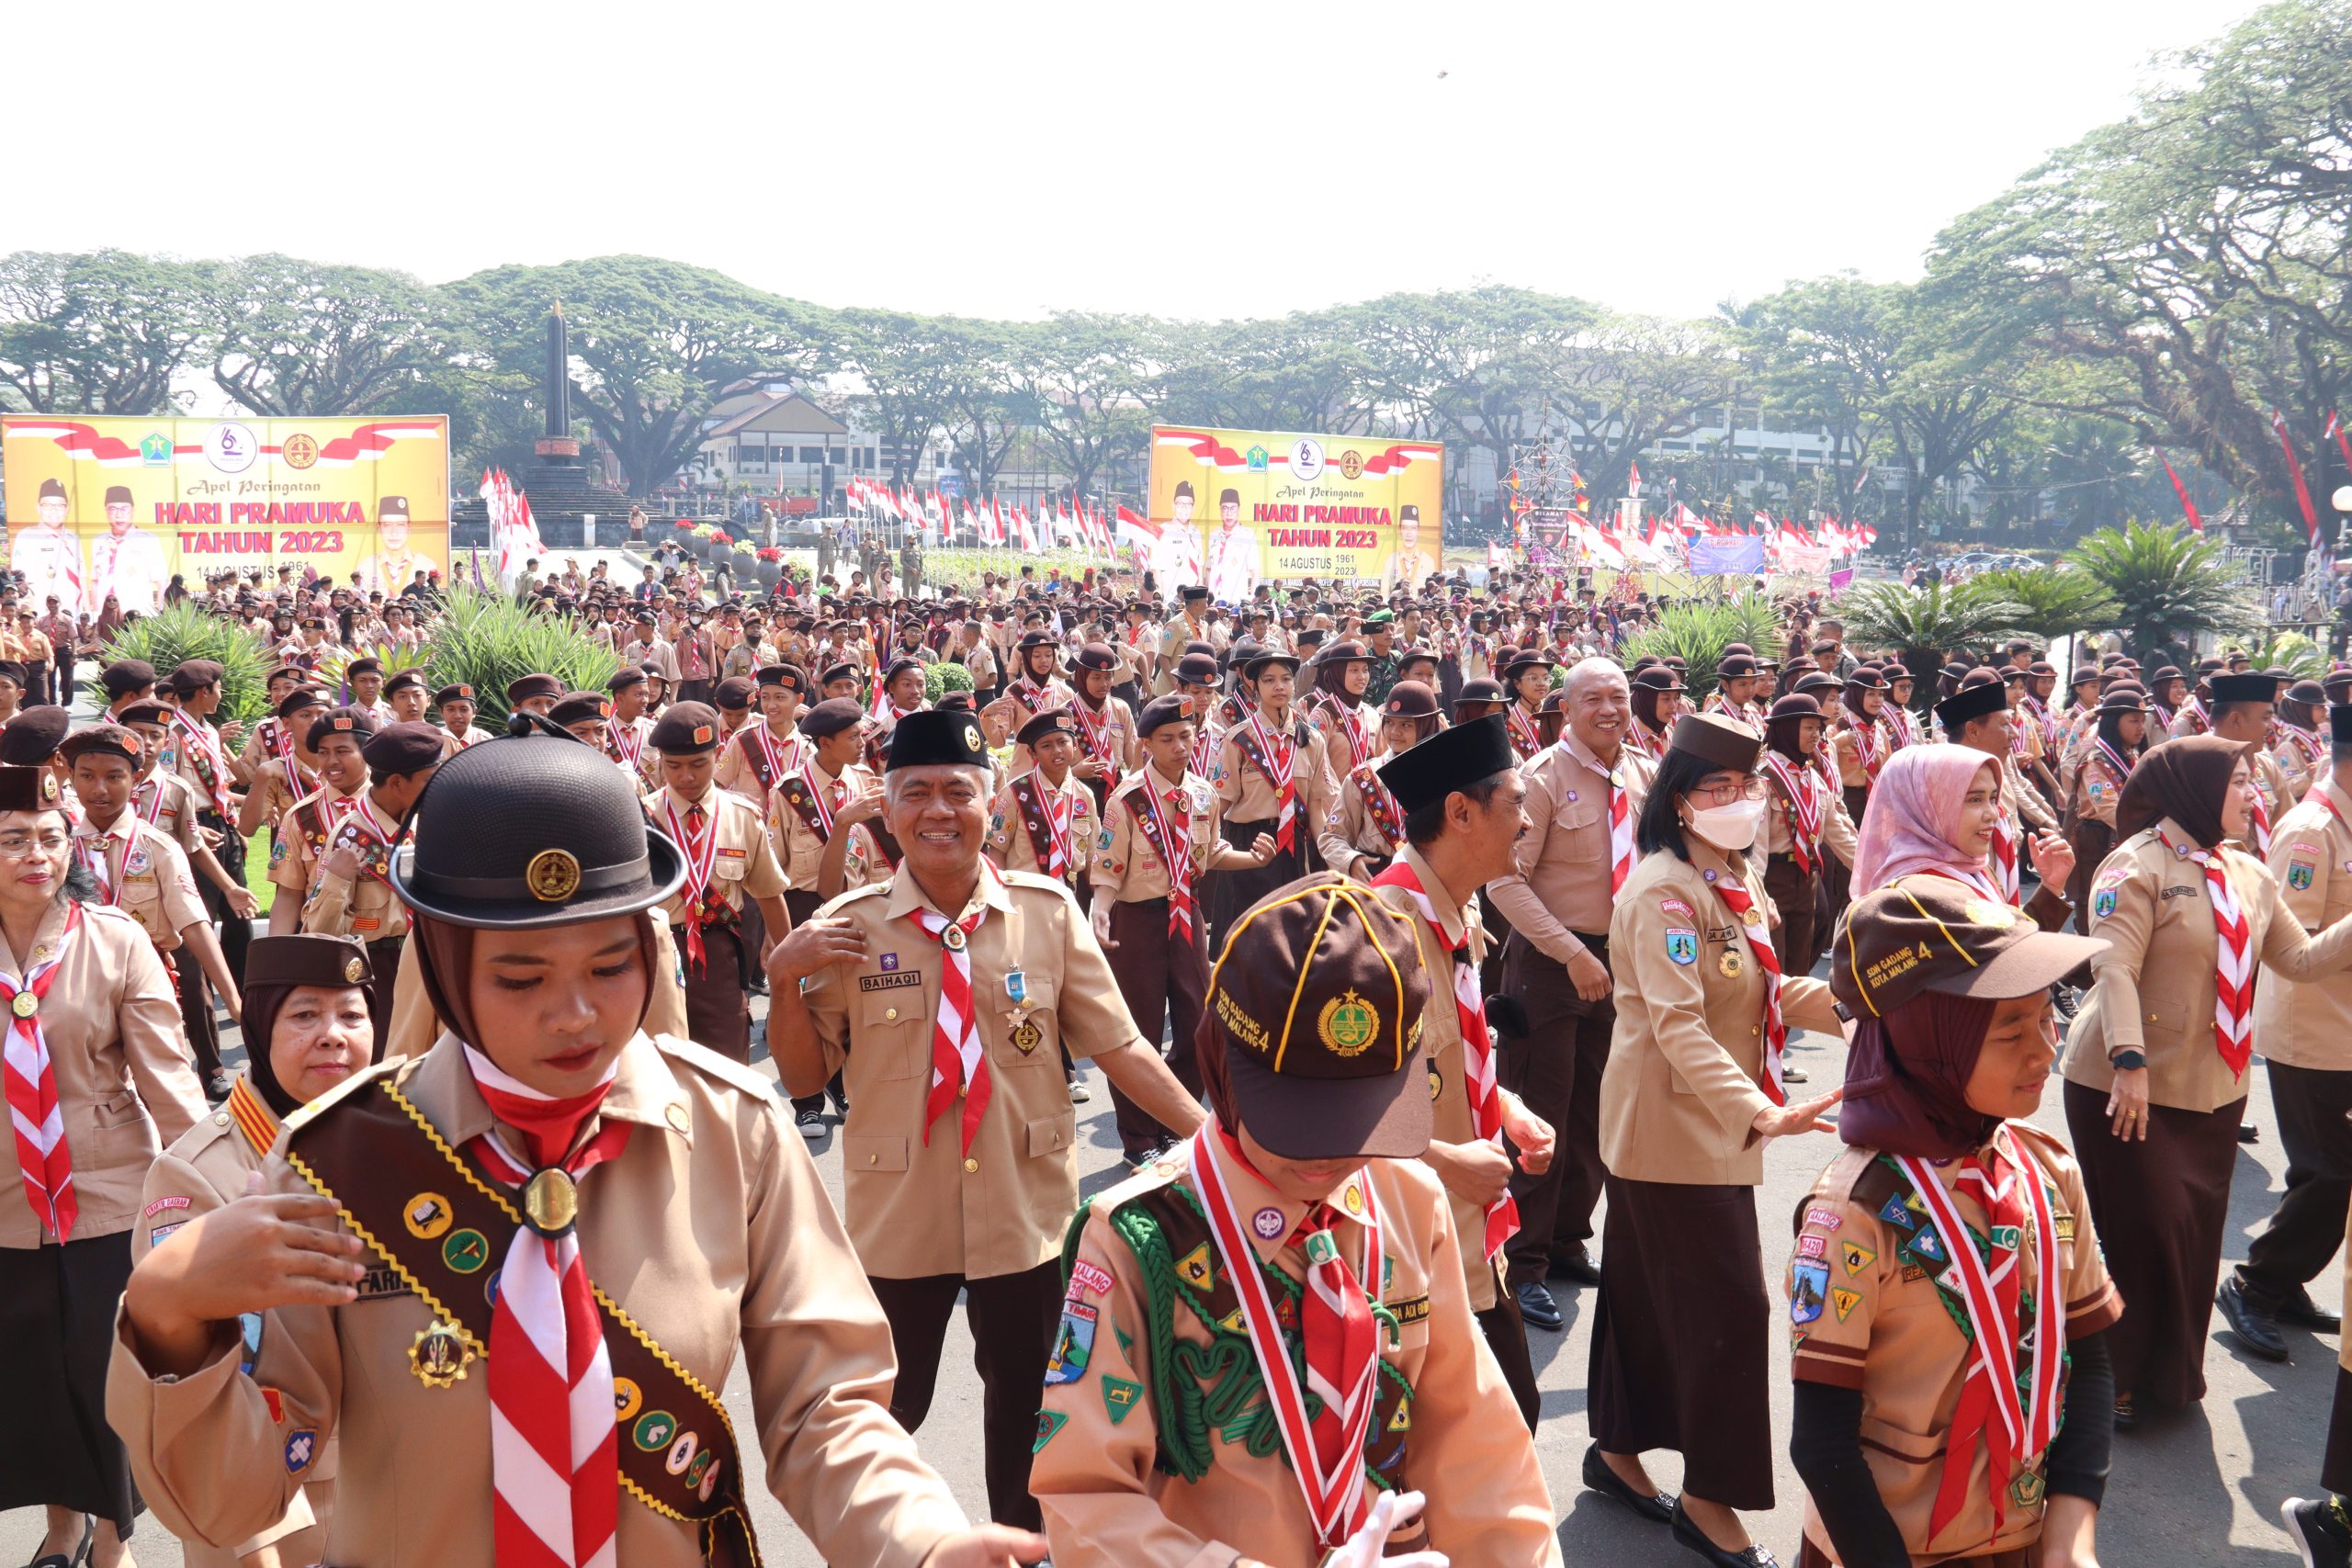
(2160, 1206)
(1681, 1358)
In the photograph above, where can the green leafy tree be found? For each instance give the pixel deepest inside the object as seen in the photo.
(2168, 583)
(291, 337)
(102, 332)
(1929, 625)
(1085, 375)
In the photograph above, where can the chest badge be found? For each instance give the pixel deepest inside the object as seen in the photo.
(1027, 1037)
(1730, 964)
(441, 1353)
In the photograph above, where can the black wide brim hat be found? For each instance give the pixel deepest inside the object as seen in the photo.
(572, 844)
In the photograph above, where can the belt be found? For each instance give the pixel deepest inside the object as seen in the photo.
(388, 941)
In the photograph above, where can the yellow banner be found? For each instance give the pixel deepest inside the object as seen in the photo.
(1236, 508)
(109, 506)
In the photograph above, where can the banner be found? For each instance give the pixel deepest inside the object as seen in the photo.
(114, 506)
(1236, 508)
(1812, 558)
(1722, 555)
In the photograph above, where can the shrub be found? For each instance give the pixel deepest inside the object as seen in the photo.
(181, 632)
(488, 640)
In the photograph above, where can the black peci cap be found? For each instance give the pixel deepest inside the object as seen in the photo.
(2339, 724)
(2244, 688)
(933, 738)
(1449, 761)
(1972, 701)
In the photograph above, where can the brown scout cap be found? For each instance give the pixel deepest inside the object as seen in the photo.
(1714, 740)
(1322, 1023)
(1930, 933)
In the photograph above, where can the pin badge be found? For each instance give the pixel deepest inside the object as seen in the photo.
(1267, 1222)
(1016, 985)
(441, 1353)
(551, 1201)
(952, 939)
(26, 1005)
(427, 1216)
(1729, 963)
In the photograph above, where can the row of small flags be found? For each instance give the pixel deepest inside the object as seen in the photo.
(1002, 522)
(513, 531)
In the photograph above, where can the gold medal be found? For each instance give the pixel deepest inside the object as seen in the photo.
(441, 1353)
(26, 1005)
(1729, 963)
(1027, 1038)
(552, 1201)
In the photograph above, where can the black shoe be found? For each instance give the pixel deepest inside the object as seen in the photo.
(216, 1086)
(2067, 1003)
(1599, 1477)
(1583, 1267)
(2248, 1133)
(811, 1124)
(2300, 1310)
(2319, 1534)
(2256, 1329)
(2127, 1414)
(1757, 1555)
(1536, 1305)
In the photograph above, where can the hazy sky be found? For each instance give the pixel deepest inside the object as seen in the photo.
(1200, 160)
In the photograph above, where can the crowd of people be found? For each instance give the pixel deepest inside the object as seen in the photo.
(1404, 928)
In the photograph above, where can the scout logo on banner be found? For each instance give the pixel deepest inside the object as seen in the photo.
(114, 505)
(1236, 508)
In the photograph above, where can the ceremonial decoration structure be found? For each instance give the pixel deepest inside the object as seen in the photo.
(564, 497)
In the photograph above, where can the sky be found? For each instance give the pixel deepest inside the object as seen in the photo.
(1205, 161)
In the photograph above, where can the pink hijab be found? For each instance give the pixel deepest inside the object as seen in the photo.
(1915, 807)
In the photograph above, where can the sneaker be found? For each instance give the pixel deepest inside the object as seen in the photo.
(1078, 1092)
(811, 1124)
(216, 1086)
(2319, 1530)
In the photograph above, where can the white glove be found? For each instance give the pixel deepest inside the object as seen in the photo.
(1390, 1512)
(1102, 918)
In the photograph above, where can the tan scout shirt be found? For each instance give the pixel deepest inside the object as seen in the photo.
(453, 744)
(745, 864)
(175, 813)
(1127, 864)
(112, 1023)
(144, 875)
(2097, 789)
(1561, 885)
(743, 764)
(916, 1204)
(1245, 795)
(1173, 635)
(1679, 1096)
(2308, 1023)
(1106, 1505)
(1864, 1316)
(798, 848)
(711, 1228)
(1780, 818)
(1009, 843)
(2303, 756)
(1350, 836)
(363, 907)
(2022, 801)
(2153, 985)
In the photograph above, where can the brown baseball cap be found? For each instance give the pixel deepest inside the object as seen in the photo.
(1930, 933)
(1322, 1023)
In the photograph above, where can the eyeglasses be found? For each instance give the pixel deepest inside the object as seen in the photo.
(1751, 788)
(29, 846)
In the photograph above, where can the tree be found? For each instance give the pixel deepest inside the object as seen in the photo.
(906, 371)
(1929, 624)
(1479, 369)
(2051, 605)
(1637, 381)
(100, 332)
(1305, 371)
(1087, 377)
(653, 345)
(2168, 583)
(291, 337)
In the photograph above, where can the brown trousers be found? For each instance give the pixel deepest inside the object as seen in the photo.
(1012, 1318)
(719, 1011)
(1165, 983)
(384, 958)
(1800, 898)
(1556, 1070)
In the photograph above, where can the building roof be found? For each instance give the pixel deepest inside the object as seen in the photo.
(791, 416)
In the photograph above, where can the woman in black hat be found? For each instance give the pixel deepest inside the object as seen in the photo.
(1336, 706)
(544, 1147)
(2105, 767)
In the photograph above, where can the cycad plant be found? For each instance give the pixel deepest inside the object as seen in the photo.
(1929, 625)
(2053, 602)
(334, 671)
(488, 640)
(2291, 651)
(2168, 584)
(179, 632)
(1698, 631)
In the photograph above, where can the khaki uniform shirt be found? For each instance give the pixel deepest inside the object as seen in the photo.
(1561, 885)
(1350, 835)
(745, 864)
(2153, 985)
(917, 1204)
(2022, 801)
(279, 796)
(1009, 843)
(2097, 790)
(1870, 1319)
(175, 814)
(124, 1085)
(799, 848)
(453, 744)
(2278, 795)
(659, 654)
(146, 877)
(2308, 1023)
(180, 757)
(1174, 634)
(1107, 1505)
(1245, 795)
(742, 758)
(363, 907)
(1679, 1098)
(711, 1229)
(2303, 757)
(1127, 864)
(1780, 818)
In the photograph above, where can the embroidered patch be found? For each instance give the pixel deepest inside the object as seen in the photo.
(1677, 907)
(1812, 1245)
(1845, 1301)
(161, 1233)
(1119, 1396)
(889, 963)
(1808, 1286)
(160, 1204)
(1091, 1279)
(1267, 1222)
(2300, 873)
(1913, 1273)
(1048, 1422)
(1823, 1218)
(2102, 903)
(1412, 1311)
(1103, 842)
(1682, 945)
(1073, 1343)
(900, 981)
(1856, 1258)
(300, 1448)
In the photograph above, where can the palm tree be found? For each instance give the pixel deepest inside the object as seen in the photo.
(1698, 631)
(2053, 602)
(1929, 625)
(2168, 583)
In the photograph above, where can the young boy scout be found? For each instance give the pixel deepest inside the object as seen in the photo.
(291, 772)
(1273, 778)
(764, 750)
(307, 828)
(1295, 1241)
(455, 703)
(1148, 917)
(1045, 819)
(958, 1150)
(729, 860)
(812, 810)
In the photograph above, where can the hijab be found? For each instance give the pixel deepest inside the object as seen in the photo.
(263, 1004)
(445, 959)
(2185, 780)
(1912, 819)
(2108, 732)
(1906, 1078)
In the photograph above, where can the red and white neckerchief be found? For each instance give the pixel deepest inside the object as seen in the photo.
(1336, 1323)
(1058, 811)
(1798, 788)
(1867, 750)
(1168, 824)
(30, 1079)
(1350, 720)
(554, 1448)
(1094, 727)
(1281, 767)
(1750, 915)
(2010, 1187)
(2195, 708)
(2259, 818)
(2233, 959)
(1646, 741)
(697, 833)
(1034, 695)
(1900, 732)
(2306, 744)
(1620, 816)
(206, 743)
(1975, 880)
(626, 742)
(1524, 739)
(373, 827)
(821, 796)
(2164, 714)
(335, 809)
(2042, 721)
(2004, 859)
(2114, 761)
(1207, 742)
(1477, 1045)
(281, 746)
(778, 758)
(957, 1062)
(93, 851)
(152, 808)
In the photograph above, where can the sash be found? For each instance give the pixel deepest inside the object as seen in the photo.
(1379, 804)
(1096, 727)
(202, 749)
(1805, 810)
(678, 1453)
(1047, 841)
(808, 802)
(361, 831)
(1256, 742)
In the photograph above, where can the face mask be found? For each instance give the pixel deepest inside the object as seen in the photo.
(1731, 827)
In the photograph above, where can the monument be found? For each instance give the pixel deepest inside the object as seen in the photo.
(564, 495)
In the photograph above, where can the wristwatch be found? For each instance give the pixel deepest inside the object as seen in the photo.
(2128, 1061)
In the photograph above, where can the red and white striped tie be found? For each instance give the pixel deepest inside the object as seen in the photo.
(956, 1060)
(1620, 824)
(1340, 1333)
(2232, 962)
(1776, 1028)
(554, 1458)
(2005, 858)
(2261, 823)
(31, 1084)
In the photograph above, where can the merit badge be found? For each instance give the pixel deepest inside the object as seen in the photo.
(441, 1353)
(1844, 1300)
(1729, 963)
(682, 1453)
(300, 1448)
(653, 1431)
(2026, 1490)
(1119, 1396)
(1682, 945)
(627, 1398)
(427, 1216)
(1027, 1038)
(1267, 1222)
(1352, 1199)
(1073, 1344)
(1048, 1422)
(465, 1251)
(701, 1468)
(1808, 1288)
(1016, 985)
(1856, 1258)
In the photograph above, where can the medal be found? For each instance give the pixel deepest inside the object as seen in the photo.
(1729, 964)
(1016, 986)
(441, 1353)
(550, 1200)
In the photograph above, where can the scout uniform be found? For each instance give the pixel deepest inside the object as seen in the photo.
(1349, 734)
(1273, 778)
(135, 865)
(705, 1222)
(285, 778)
(1185, 1284)
(455, 742)
(628, 740)
(1031, 696)
(1859, 744)
(2097, 790)
(1035, 825)
(1520, 715)
(2302, 753)
(365, 907)
(966, 1189)
(801, 808)
(313, 827)
(1106, 735)
(1175, 633)
(757, 757)
(1805, 825)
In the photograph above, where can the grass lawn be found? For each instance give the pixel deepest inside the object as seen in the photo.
(257, 870)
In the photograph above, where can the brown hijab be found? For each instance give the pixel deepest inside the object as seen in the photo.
(445, 959)
(2185, 780)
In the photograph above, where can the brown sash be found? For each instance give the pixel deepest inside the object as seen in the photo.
(1034, 818)
(380, 1157)
(1242, 737)
(801, 796)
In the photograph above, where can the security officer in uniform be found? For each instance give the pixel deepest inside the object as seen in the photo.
(729, 860)
(945, 994)
(544, 1127)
